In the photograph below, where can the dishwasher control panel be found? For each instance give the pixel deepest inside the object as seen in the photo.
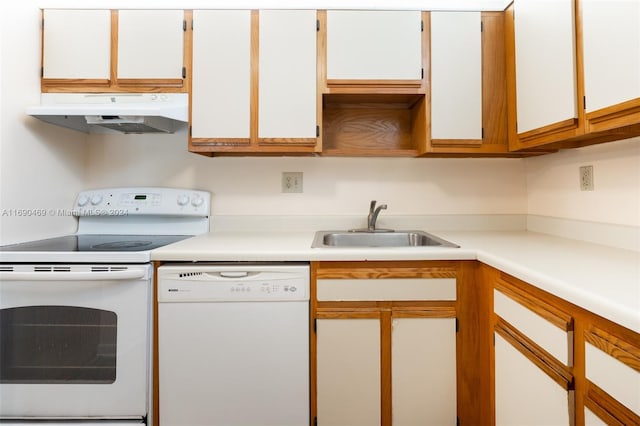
(194, 283)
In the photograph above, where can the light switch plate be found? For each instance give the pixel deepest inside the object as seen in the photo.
(586, 178)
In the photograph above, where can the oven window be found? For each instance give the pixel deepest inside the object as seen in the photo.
(57, 344)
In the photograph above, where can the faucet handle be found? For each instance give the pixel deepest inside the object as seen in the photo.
(372, 206)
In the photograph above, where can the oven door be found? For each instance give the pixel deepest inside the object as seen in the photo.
(74, 341)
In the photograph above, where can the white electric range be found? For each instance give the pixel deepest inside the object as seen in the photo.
(75, 311)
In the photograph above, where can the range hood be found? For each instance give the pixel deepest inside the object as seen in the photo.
(114, 112)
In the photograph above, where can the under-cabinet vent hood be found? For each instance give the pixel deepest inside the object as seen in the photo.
(109, 112)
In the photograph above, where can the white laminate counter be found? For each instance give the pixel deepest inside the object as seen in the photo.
(601, 279)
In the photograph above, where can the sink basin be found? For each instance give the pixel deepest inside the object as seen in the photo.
(325, 239)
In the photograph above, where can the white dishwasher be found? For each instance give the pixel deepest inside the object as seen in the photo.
(233, 344)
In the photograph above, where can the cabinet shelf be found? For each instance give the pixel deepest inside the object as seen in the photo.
(374, 124)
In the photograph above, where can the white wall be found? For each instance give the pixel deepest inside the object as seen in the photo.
(553, 186)
(332, 186)
(41, 166)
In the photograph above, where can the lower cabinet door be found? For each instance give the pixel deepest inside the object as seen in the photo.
(423, 372)
(348, 372)
(525, 395)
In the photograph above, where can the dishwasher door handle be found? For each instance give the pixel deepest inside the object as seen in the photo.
(233, 274)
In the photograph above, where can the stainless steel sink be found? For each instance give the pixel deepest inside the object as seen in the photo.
(326, 239)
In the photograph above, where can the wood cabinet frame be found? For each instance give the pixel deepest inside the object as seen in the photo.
(617, 122)
(254, 144)
(116, 85)
(470, 308)
(615, 340)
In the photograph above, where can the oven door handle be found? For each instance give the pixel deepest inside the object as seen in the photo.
(132, 274)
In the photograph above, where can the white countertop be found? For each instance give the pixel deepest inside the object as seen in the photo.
(601, 279)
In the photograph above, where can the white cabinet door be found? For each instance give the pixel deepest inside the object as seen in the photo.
(423, 354)
(150, 44)
(77, 44)
(374, 45)
(524, 394)
(614, 377)
(611, 43)
(348, 372)
(221, 73)
(287, 74)
(545, 62)
(456, 75)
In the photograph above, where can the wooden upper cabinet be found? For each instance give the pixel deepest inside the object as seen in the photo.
(611, 46)
(76, 45)
(456, 77)
(150, 45)
(369, 46)
(114, 51)
(254, 82)
(541, 58)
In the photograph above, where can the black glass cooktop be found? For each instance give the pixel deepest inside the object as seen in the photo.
(96, 243)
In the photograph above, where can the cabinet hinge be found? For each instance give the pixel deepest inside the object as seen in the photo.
(184, 25)
(457, 325)
(184, 72)
(41, 72)
(315, 421)
(43, 23)
(494, 339)
(482, 133)
(481, 26)
(317, 25)
(457, 421)
(584, 102)
(421, 73)
(421, 26)
(190, 131)
(317, 131)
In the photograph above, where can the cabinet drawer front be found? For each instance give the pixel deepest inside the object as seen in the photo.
(551, 338)
(614, 377)
(386, 289)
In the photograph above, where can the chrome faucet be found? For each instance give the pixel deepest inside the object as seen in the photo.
(372, 218)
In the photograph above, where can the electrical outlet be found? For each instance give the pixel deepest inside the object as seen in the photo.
(292, 182)
(586, 178)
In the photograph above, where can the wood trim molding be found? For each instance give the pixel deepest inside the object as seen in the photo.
(555, 316)
(614, 346)
(607, 408)
(375, 272)
(555, 369)
(469, 143)
(623, 114)
(114, 46)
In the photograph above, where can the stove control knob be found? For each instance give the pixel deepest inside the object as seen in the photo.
(83, 200)
(182, 200)
(96, 199)
(197, 202)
